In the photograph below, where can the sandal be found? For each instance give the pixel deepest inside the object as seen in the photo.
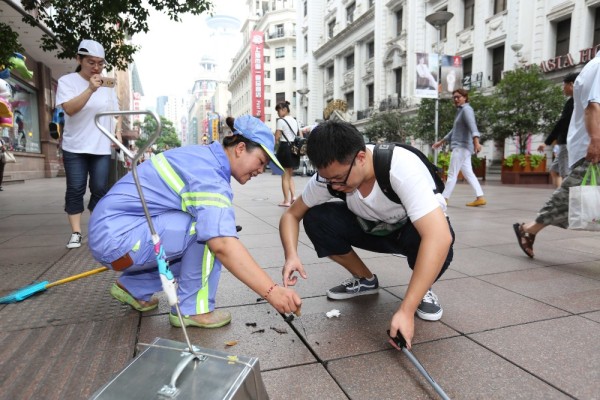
(284, 204)
(525, 239)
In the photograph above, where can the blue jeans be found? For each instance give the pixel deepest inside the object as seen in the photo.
(77, 168)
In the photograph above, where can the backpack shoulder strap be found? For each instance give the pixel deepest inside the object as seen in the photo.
(291, 130)
(382, 163)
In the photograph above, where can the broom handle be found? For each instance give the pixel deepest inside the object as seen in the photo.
(78, 276)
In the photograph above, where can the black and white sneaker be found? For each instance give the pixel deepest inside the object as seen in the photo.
(430, 308)
(75, 241)
(353, 287)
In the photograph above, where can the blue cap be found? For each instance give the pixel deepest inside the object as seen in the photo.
(254, 129)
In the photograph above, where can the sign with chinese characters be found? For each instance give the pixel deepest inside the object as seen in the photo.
(257, 73)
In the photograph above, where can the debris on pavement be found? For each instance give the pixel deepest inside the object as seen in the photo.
(333, 313)
(280, 330)
(231, 343)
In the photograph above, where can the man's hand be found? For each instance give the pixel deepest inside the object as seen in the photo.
(541, 148)
(284, 300)
(477, 147)
(405, 323)
(291, 266)
(438, 144)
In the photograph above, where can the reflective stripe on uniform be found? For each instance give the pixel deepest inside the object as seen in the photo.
(208, 262)
(195, 199)
(167, 173)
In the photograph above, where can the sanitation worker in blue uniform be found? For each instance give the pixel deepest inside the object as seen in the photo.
(189, 197)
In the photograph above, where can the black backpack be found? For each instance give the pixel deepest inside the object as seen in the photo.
(382, 162)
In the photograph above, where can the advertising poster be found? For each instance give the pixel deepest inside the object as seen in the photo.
(427, 71)
(452, 75)
(257, 73)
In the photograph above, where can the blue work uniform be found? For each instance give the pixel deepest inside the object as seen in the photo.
(189, 197)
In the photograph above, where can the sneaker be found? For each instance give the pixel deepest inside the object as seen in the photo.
(477, 202)
(353, 287)
(430, 309)
(75, 241)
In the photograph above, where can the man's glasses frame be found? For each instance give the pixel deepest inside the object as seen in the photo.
(339, 183)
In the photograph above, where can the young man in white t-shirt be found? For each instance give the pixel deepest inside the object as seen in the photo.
(418, 228)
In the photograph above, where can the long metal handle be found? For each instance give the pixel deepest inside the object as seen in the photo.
(425, 374)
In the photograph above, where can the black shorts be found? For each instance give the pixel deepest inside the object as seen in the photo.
(334, 230)
(285, 156)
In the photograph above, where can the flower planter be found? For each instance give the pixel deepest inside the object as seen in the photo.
(525, 174)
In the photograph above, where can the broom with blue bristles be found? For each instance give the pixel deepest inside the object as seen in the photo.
(30, 290)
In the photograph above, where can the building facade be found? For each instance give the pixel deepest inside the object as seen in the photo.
(365, 51)
(276, 21)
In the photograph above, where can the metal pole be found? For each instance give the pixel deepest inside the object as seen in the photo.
(437, 95)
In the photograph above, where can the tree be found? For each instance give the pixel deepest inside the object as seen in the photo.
(523, 103)
(110, 23)
(389, 126)
(168, 134)
(10, 45)
(424, 123)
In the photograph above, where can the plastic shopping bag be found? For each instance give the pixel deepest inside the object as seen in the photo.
(584, 202)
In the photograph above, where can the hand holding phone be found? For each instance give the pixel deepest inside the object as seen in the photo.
(108, 82)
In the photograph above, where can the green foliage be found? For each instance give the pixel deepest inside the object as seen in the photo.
(523, 103)
(424, 123)
(10, 45)
(168, 136)
(536, 159)
(109, 22)
(389, 126)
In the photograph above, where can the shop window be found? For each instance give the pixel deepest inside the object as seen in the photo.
(25, 133)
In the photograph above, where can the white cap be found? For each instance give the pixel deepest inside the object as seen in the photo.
(91, 48)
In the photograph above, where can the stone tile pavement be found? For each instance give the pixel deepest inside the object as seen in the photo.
(512, 327)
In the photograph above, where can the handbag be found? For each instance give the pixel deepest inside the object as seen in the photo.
(584, 202)
(298, 146)
(8, 157)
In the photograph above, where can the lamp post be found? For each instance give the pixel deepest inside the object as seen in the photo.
(303, 92)
(438, 19)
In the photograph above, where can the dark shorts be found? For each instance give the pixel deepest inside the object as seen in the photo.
(285, 156)
(334, 230)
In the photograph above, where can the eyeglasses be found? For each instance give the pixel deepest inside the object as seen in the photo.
(456, 97)
(338, 183)
(99, 64)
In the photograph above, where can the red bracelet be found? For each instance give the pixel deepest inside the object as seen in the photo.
(270, 290)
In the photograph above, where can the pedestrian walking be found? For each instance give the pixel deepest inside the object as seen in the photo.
(286, 130)
(560, 165)
(464, 141)
(583, 144)
(86, 151)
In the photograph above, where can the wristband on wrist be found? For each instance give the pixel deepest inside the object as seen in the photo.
(270, 290)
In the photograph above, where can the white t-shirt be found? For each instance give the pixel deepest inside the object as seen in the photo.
(283, 127)
(411, 181)
(80, 133)
(586, 89)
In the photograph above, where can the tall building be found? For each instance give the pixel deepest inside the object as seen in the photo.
(264, 71)
(365, 51)
(161, 102)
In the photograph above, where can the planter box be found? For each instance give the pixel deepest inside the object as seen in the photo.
(525, 175)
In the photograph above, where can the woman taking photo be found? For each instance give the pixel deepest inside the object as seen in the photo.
(189, 197)
(286, 130)
(86, 151)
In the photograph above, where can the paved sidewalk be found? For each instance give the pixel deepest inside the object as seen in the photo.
(512, 327)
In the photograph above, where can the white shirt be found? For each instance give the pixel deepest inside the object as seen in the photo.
(285, 129)
(80, 133)
(586, 89)
(411, 181)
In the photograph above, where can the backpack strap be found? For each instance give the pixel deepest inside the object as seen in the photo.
(291, 130)
(382, 163)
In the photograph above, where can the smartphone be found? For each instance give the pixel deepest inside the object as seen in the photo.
(108, 82)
